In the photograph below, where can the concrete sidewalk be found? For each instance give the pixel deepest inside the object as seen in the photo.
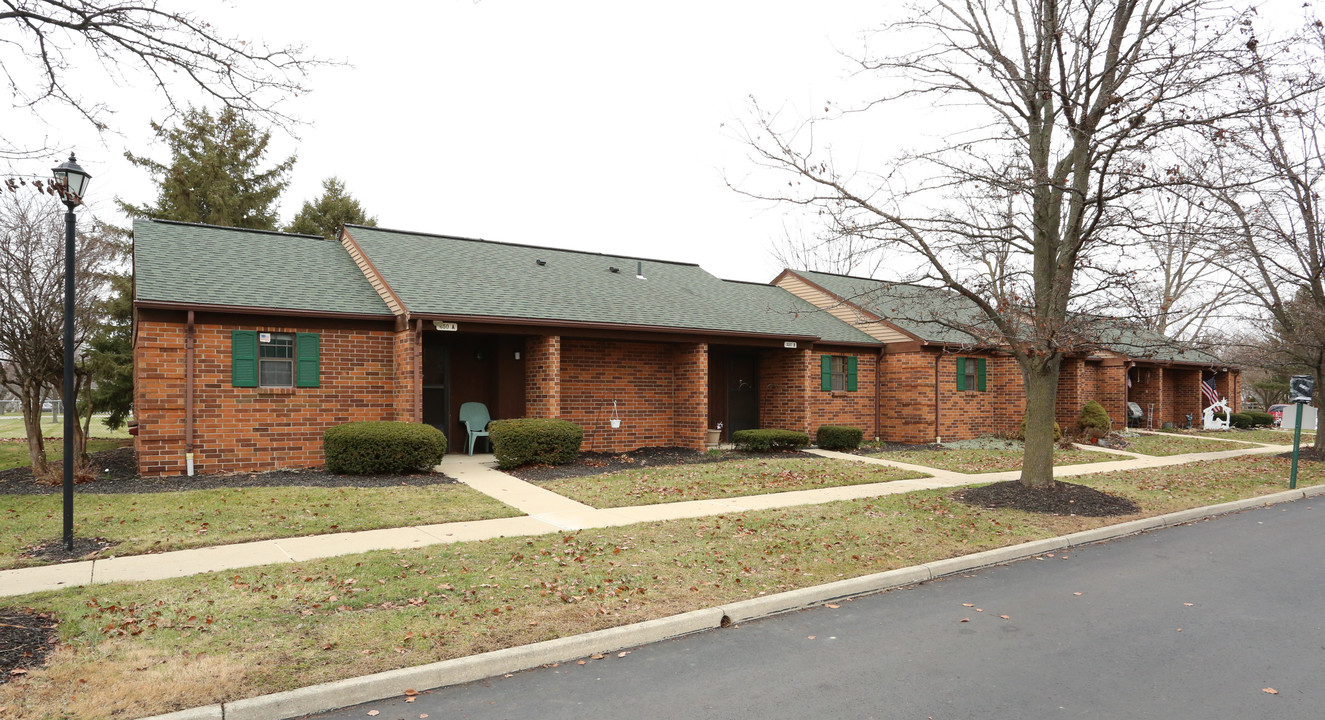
(546, 512)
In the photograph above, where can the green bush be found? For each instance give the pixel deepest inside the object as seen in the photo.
(1241, 421)
(535, 441)
(1260, 419)
(768, 440)
(1021, 431)
(838, 437)
(1094, 420)
(382, 448)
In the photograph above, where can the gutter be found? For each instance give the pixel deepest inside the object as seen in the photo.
(247, 310)
(189, 342)
(589, 325)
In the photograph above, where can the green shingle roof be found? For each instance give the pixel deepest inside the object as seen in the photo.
(203, 264)
(927, 313)
(457, 277)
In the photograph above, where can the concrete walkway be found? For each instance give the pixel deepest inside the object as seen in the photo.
(546, 512)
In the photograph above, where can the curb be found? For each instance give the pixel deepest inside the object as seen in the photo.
(383, 685)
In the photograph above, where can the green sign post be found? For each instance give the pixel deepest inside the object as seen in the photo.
(1300, 388)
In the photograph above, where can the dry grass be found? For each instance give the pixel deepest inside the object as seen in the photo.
(157, 522)
(295, 625)
(986, 460)
(1271, 437)
(1169, 445)
(675, 483)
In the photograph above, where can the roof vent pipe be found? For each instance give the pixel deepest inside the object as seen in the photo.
(639, 271)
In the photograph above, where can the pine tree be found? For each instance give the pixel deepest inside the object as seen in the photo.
(215, 174)
(334, 208)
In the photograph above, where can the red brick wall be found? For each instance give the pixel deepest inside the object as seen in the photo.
(1107, 385)
(252, 429)
(542, 395)
(785, 377)
(690, 401)
(407, 358)
(1186, 395)
(907, 397)
(1229, 385)
(855, 409)
(642, 379)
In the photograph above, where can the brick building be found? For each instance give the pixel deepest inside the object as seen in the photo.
(250, 344)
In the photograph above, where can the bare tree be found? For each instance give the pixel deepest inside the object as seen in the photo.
(41, 41)
(32, 308)
(1064, 106)
(1270, 178)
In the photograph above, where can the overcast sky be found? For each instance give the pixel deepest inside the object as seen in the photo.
(600, 126)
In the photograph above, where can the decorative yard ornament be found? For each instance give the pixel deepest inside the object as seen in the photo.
(1216, 416)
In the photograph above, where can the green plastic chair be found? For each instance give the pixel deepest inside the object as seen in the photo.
(474, 416)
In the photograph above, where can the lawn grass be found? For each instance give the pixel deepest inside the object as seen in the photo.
(1169, 445)
(156, 522)
(675, 483)
(969, 460)
(241, 633)
(14, 453)
(11, 427)
(1272, 437)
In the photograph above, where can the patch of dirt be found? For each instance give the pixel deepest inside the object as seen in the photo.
(598, 463)
(1306, 454)
(1059, 499)
(116, 471)
(53, 551)
(26, 637)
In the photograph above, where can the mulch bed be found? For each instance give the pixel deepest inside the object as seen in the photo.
(1059, 499)
(1306, 454)
(26, 637)
(598, 463)
(117, 472)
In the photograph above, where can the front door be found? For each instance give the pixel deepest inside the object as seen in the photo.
(436, 386)
(742, 393)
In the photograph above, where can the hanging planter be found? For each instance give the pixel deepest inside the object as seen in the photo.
(616, 421)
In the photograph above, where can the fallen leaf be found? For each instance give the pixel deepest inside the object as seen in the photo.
(979, 610)
(623, 653)
(1076, 593)
(597, 656)
(579, 662)
(811, 637)
(411, 691)
(1005, 617)
(410, 699)
(18, 671)
(965, 620)
(968, 604)
(373, 712)
(1269, 691)
(423, 715)
(1187, 604)
(834, 606)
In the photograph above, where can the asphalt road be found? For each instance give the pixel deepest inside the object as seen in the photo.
(1188, 622)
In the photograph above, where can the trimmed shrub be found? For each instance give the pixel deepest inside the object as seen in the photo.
(1242, 421)
(382, 448)
(1094, 420)
(838, 437)
(1021, 431)
(768, 440)
(1260, 419)
(535, 441)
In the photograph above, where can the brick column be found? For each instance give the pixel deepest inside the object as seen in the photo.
(542, 379)
(690, 395)
(407, 357)
(1071, 396)
(1112, 393)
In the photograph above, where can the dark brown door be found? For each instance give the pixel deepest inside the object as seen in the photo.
(436, 395)
(742, 393)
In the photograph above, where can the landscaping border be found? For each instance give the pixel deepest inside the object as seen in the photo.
(392, 683)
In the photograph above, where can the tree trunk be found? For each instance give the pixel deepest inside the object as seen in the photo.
(31, 404)
(1041, 381)
(1319, 396)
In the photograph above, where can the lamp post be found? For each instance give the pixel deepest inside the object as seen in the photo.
(73, 179)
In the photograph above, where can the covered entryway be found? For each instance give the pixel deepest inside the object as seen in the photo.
(733, 389)
(460, 368)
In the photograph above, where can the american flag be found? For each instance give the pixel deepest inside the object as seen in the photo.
(1208, 390)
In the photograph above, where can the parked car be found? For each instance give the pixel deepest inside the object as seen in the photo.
(1277, 412)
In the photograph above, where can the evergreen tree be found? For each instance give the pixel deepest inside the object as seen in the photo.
(325, 216)
(110, 353)
(215, 174)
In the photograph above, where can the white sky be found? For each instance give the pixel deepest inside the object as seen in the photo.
(582, 125)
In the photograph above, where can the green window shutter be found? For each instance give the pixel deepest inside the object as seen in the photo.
(980, 374)
(961, 373)
(826, 373)
(851, 373)
(244, 358)
(306, 350)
